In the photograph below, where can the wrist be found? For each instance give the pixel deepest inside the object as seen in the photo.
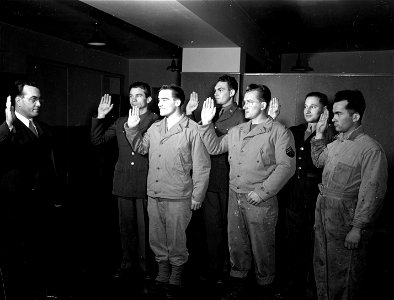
(356, 229)
(319, 136)
(100, 116)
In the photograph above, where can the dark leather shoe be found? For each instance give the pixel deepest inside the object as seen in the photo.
(156, 288)
(174, 292)
(238, 289)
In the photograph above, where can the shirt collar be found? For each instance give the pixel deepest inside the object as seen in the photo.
(23, 119)
(351, 135)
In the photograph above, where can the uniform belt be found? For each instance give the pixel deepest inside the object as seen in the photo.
(325, 192)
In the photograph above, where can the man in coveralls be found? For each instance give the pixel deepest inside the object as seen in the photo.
(298, 197)
(262, 159)
(175, 148)
(351, 194)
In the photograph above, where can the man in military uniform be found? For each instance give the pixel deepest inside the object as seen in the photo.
(298, 198)
(262, 159)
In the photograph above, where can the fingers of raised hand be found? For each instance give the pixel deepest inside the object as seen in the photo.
(136, 111)
(194, 97)
(8, 103)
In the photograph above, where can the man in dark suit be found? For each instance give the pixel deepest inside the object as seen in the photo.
(129, 181)
(27, 182)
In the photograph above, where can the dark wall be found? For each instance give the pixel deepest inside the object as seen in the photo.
(203, 84)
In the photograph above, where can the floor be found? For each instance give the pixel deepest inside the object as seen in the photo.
(88, 253)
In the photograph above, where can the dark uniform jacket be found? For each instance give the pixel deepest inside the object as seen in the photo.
(131, 169)
(301, 191)
(219, 175)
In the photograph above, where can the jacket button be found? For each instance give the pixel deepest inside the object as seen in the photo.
(132, 163)
(132, 153)
(301, 148)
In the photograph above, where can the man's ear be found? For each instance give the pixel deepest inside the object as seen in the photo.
(356, 117)
(17, 100)
(263, 105)
(177, 102)
(149, 99)
(232, 93)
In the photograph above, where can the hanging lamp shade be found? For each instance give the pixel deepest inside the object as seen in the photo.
(173, 67)
(299, 67)
(97, 39)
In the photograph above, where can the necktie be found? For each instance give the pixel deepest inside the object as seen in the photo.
(32, 128)
(221, 112)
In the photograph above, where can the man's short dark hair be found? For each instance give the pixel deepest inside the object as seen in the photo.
(263, 92)
(142, 85)
(17, 89)
(355, 99)
(231, 82)
(177, 92)
(322, 97)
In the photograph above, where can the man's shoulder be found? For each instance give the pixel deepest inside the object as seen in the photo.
(278, 126)
(299, 127)
(368, 143)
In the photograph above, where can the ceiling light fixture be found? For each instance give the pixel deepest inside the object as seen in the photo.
(299, 67)
(97, 39)
(173, 67)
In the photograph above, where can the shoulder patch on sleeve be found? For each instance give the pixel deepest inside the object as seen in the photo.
(290, 152)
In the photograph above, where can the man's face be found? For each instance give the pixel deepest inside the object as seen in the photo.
(167, 103)
(223, 93)
(344, 120)
(253, 107)
(138, 98)
(28, 105)
(312, 109)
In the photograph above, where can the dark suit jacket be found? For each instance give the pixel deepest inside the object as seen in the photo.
(27, 161)
(131, 169)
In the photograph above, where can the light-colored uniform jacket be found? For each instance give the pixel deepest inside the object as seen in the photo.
(172, 156)
(261, 160)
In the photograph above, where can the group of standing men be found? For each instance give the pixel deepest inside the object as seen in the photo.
(234, 170)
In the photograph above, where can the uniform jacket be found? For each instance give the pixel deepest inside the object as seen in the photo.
(172, 156)
(354, 164)
(301, 191)
(218, 178)
(27, 161)
(261, 160)
(131, 168)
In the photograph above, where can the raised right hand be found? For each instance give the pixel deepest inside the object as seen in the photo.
(105, 106)
(9, 113)
(192, 104)
(208, 111)
(134, 117)
(321, 125)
